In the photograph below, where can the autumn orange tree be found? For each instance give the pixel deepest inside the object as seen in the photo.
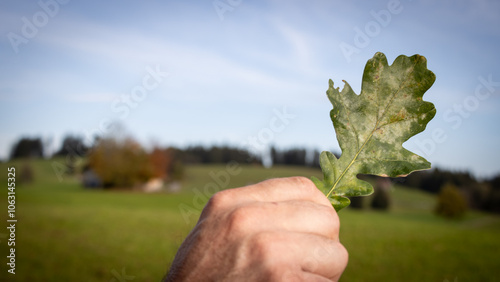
(121, 163)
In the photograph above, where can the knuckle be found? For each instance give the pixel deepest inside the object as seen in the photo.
(283, 273)
(303, 182)
(344, 254)
(240, 219)
(272, 253)
(263, 247)
(289, 276)
(307, 187)
(219, 200)
(342, 259)
(332, 217)
(329, 220)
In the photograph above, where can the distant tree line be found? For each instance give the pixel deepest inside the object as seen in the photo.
(483, 195)
(75, 146)
(214, 154)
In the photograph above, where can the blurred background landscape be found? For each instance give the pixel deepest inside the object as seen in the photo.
(122, 118)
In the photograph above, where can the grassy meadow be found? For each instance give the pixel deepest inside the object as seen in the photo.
(67, 233)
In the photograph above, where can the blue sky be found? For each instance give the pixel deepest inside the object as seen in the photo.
(245, 73)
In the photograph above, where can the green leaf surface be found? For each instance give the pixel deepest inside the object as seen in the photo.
(372, 127)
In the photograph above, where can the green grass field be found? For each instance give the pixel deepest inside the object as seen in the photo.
(66, 233)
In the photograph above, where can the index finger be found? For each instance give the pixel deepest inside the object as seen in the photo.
(278, 190)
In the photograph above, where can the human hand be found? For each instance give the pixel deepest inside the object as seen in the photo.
(277, 230)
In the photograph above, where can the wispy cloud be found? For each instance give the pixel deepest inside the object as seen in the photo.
(191, 66)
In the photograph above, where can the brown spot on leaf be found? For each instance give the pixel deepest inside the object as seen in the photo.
(397, 117)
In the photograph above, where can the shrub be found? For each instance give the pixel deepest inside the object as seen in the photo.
(451, 203)
(26, 175)
(357, 202)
